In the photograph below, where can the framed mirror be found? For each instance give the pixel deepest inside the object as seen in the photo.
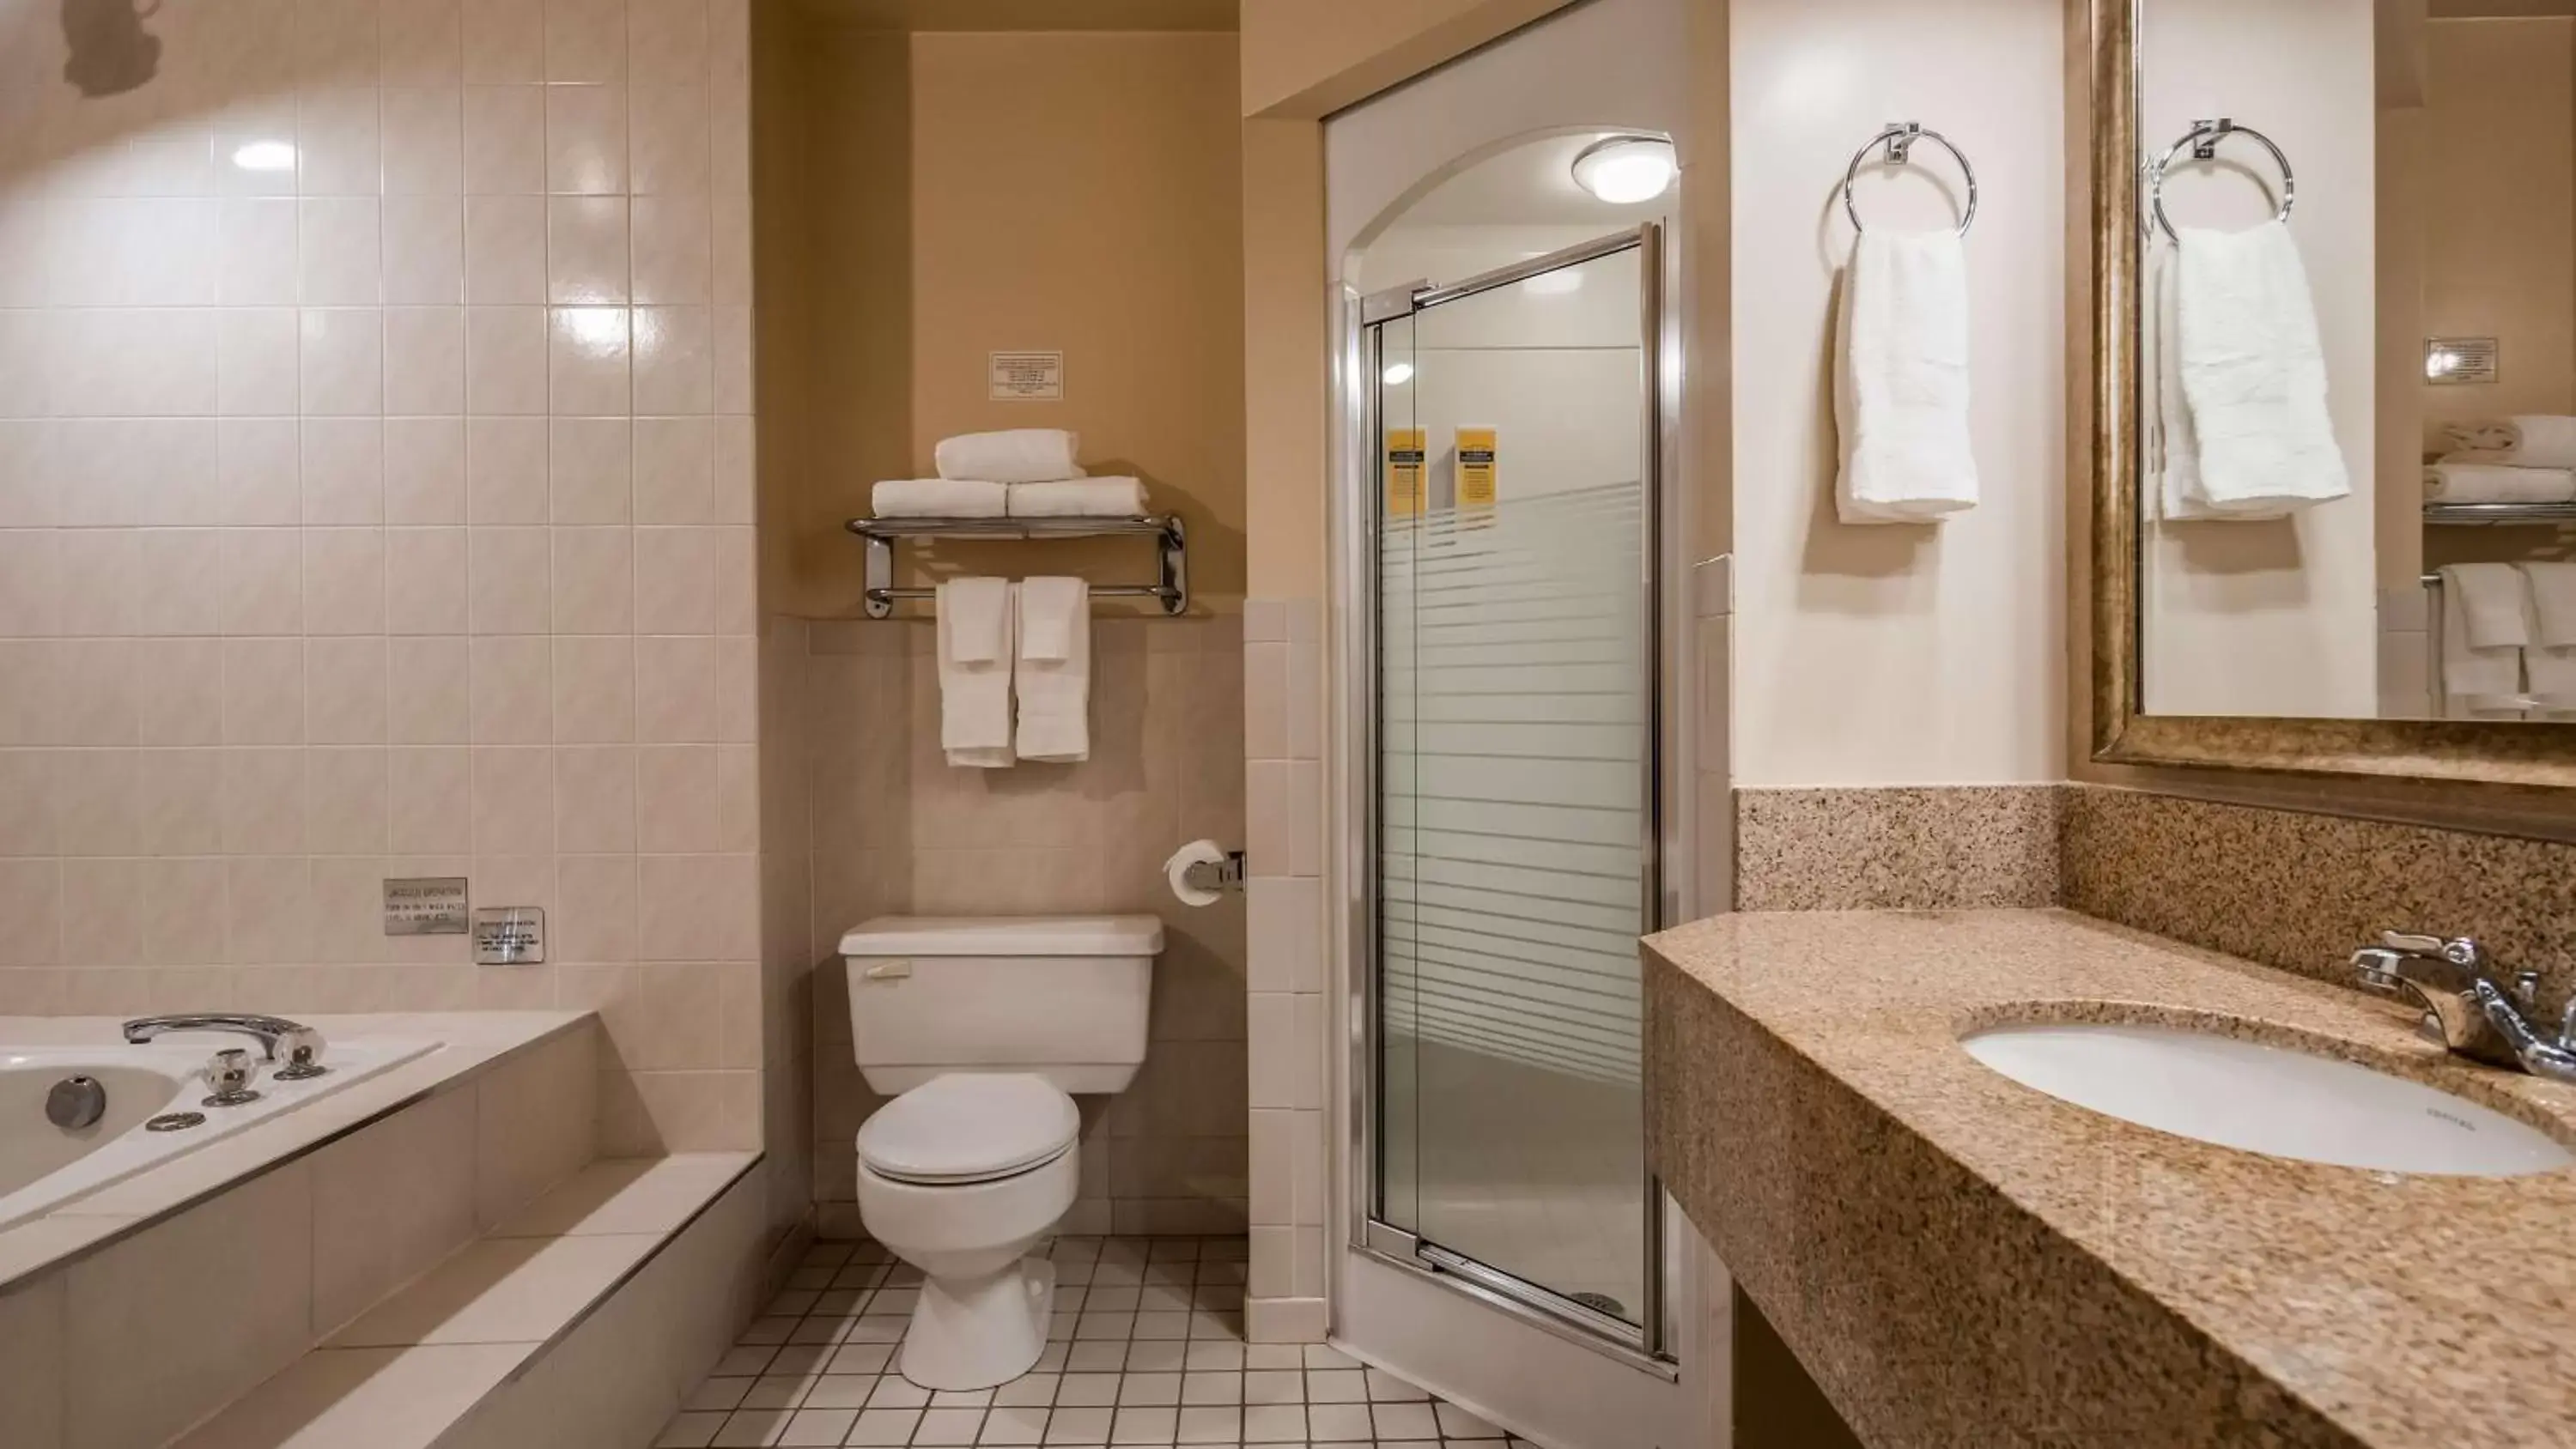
(2334, 492)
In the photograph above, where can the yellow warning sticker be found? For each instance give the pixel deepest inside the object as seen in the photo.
(1476, 488)
(1404, 472)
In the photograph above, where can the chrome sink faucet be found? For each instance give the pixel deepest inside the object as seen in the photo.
(2453, 980)
(302, 1044)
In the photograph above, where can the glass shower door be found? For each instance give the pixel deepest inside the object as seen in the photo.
(1515, 823)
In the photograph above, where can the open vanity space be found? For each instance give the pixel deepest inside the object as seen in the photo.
(1960, 1260)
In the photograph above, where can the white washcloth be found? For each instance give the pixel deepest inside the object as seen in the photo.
(2253, 373)
(2483, 680)
(2454, 481)
(938, 498)
(2531, 440)
(976, 654)
(1020, 455)
(1055, 669)
(1079, 498)
(2553, 603)
(1901, 380)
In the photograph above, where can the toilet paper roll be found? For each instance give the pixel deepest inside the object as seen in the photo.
(1177, 871)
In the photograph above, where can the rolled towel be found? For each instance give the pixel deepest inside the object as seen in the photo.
(2254, 373)
(2527, 440)
(1901, 381)
(2450, 481)
(939, 498)
(1019, 455)
(1079, 498)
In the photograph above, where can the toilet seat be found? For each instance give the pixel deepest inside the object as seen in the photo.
(970, 1127)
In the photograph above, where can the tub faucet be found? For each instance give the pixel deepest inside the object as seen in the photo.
(2453, 980)
(302, 1044)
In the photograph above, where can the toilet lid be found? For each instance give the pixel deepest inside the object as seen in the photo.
(969, 1127)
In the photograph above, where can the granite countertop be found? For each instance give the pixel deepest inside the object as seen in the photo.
(1962, 1260)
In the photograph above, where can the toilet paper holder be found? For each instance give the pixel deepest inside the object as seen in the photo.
(1217, 875)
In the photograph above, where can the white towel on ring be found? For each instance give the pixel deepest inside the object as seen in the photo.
(1901, 380)
(2254, 373)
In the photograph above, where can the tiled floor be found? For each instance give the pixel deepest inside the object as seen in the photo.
(1147, 1349)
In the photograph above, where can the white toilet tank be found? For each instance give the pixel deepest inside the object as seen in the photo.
(1060, 997)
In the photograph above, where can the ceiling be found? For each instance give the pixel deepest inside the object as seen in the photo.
(1036, 15)
(1530, 185)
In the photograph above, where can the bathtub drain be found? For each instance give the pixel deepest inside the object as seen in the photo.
(175, 1122)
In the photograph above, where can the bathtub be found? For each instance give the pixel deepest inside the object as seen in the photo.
(44, 1167)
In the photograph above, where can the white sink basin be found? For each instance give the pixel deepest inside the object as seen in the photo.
(2258, 1098)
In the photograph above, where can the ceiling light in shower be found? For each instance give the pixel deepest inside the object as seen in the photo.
(1624, 170)
(1397, 374)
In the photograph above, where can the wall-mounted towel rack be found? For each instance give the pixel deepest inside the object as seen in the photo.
(2202, 140)
(1898, 139)
(2494, 513)
(1171, 547)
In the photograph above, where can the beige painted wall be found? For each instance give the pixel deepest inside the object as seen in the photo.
(1895, 655)
(1096, 213)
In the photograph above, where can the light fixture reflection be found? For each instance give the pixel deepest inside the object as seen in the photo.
(265, 156)
(1397, 374)
(1553, 284)
(1624, 170)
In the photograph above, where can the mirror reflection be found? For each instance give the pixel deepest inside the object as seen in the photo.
(2357, 461)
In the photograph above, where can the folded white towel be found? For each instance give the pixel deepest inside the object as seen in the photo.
(2492, 600)
(938, 498)
(976, 654)
(2553, 603)
(2482, 679)
(2176, 463)
(1079, 498)
(1055, 669)
(1901, 380)
(2454, 481)
(2529, 440)
(1019, 455)
(2253, 372)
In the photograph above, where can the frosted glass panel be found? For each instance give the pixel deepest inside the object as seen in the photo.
(1513, 733)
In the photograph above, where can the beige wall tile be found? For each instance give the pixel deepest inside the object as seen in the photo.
(537, 1118)
(389, 1201)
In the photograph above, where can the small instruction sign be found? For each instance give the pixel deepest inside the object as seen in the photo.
(425, 906)
(1027, 376)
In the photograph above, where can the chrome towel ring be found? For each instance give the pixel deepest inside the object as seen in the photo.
(1899, 139)
(2203, 139)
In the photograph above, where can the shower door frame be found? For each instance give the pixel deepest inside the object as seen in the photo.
(1359, 498)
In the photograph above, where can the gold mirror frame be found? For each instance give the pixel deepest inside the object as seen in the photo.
(2514, 757)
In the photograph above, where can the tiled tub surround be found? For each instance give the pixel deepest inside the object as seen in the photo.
(897, 830)
(225, 1265)
(389, 512)
(1147, 1348)
(1961, 1261)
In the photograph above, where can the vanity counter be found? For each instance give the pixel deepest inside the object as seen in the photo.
(1960, 1260)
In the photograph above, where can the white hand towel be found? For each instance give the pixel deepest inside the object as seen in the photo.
(2491, 599)
(1055, 669)
(1020, 455)
(939, 498)
(2451, 481)
(976, 654)
(2553, 603)
(2549, 660)
(1901, 380)
(2177, 449)
(2253, 372)
(2480, 680)
(1079, 498)
(2531, 440)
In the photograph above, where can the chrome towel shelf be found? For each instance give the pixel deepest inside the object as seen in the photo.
(2495, 513)
(1172, 587)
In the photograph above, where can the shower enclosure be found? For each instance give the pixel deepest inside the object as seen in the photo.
(1512, 832)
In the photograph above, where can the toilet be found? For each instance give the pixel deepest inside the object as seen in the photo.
(980, 1028)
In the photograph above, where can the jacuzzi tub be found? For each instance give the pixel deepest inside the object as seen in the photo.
(42, 1166)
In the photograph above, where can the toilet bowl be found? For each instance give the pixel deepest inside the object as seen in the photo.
(982, 1025)
(960, 1177)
